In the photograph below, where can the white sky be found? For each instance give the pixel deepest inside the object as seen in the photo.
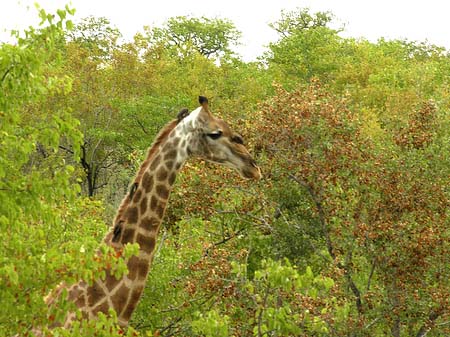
(412, 19)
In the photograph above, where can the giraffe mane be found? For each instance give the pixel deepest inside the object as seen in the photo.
(160, 138)
(162, 135)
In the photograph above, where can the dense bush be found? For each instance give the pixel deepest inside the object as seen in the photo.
(346, 235)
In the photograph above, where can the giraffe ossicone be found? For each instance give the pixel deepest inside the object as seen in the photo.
(140, 214)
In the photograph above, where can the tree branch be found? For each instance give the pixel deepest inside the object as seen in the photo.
(426, 327)
(321, 212)
(170, 326)
(5, 74)
(65, 149)
(224, 240)
(371, 274)
(141, 125)
(330, 248)
(266, 296)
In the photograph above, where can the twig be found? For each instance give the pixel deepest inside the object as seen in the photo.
(426, 328)
(5, 74)
(371, 274)
(321, 212)
(326, 233)
(241, 216)
(171, 325)
(224, 240)
(141, 126)
(228, 238)
(266, 295)
(161, 244)
(65, 149)
(372, 323)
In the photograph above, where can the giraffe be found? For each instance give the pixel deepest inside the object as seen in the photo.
(138, 219)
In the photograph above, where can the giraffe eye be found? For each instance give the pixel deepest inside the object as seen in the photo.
(215, 135)
(237, 139)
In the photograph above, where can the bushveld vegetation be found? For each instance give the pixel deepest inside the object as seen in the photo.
(347, 234)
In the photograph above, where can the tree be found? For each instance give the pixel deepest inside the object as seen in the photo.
(33, 194)
(88, 51)
(308, 47)
(378, 200)
(95, 34)
(184, 35)
(293, 22)
(43, 219)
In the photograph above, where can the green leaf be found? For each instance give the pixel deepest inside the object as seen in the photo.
(62, 14)
(69, 25)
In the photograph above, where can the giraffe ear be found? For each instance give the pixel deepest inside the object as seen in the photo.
(182, 114)
(203, 102)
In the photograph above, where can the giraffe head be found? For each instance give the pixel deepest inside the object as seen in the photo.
(213, 139)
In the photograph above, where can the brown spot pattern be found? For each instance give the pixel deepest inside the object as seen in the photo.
(132, 267)
(119, 299)
(110, 280)
(162, 191)
(128, 235)
(169, 164)
(143, 206)
(76, 295)
(175, 142)
(171, 155)
(147, 243)
(160, 210)
(104, 307)
(135, 296)
(172, 178)
(132, 215)
(74, 292)
(137, 195)
(166, 147)
(161, 175)
(94, 294)
(150, 224)
(137, 267)
(145, 178)
(154, 203)
(147, 182)
(81, 301)
(155, 162)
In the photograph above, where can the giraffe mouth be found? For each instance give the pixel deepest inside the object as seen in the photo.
(252, 173)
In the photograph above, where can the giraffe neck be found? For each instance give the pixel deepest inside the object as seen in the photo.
(140, 224)
(137, 221)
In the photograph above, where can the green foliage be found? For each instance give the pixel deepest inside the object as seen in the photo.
(300, 20)
(211, 324)
(376, 202)
(185, 35)
(96, 35)
(103, 326)
(266, 303)
(347, 234)
(308, 47)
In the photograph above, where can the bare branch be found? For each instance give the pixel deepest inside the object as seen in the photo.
(5, 74)
(266, 296)
(228, 238)
(320, 210)
(426, 327)
(330, 248)
(371, 274)
(65, 149)
(141, 125)
(395, 330)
